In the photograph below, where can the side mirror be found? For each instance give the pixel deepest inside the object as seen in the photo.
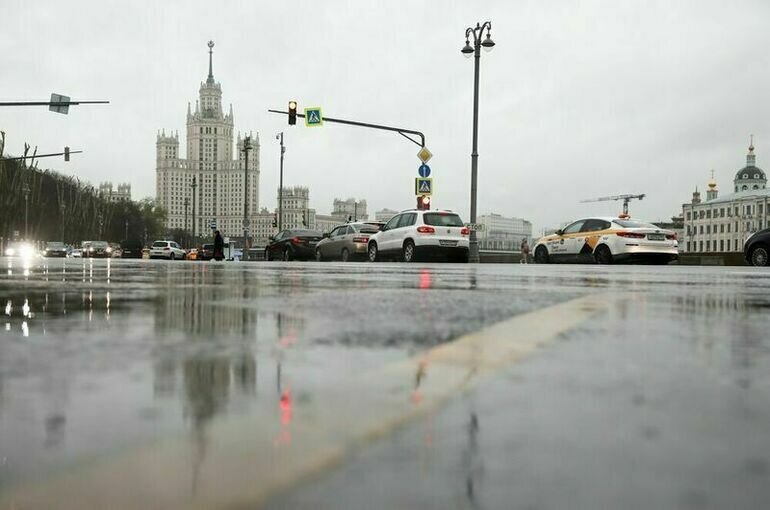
(560, 232)
(325, 235)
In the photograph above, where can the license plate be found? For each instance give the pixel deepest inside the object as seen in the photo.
(656, 237)
(448, 243)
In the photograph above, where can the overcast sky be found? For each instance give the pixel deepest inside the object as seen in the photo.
(578, 99)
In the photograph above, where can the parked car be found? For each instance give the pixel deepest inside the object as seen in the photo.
(75, 253)
(192, 254)
(417, 234)
(206, 252)
(756, 249)
(55, 249)
(96, 249)
(347, 242)
(293, 245)
(117, 252)
(608, 240)
(131, 249)
(166, 250)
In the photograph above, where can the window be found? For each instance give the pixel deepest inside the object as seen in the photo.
(688, 245)
(708, 213)
(595, 225)
(689, 215)
(407, 220)
(701, 229)
(574, 227)
(721, 245)
(708, 229)
(728, 227)
(442, 219)
(701, 246)
(722, 212)
(722, 228)
(392, 223)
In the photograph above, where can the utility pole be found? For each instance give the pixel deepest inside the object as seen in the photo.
(279, 136)
(193, 186)
(246, 149)
(61, 208)
(186, 232)
(26, 211)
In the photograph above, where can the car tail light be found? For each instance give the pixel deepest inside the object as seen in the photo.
(671, 237)
(465, 231)
(296, 240)
(631, 235)
(360, 239)
(426, 230)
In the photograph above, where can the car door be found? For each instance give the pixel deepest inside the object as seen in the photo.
(590, 234)
(276, 247)
(385, 240)
(330, 248)
(566, 249)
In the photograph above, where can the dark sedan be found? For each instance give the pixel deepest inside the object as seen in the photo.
(293, 245)
(757, 248)
(131, 249)
(55, 249)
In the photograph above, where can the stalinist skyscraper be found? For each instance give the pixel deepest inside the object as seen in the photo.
(210, 165)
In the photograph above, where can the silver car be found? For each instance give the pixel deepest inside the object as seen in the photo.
(346, 242)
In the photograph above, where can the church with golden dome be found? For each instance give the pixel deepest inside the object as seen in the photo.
(721, 224)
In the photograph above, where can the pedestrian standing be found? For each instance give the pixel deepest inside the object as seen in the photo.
(524, 251)
(219, 246)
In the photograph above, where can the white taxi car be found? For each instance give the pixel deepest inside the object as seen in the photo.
(608, 240)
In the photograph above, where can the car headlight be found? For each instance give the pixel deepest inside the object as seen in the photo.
(10, 252)
(108, 250)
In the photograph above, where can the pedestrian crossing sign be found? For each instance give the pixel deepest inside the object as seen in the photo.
(423, 186)
(313, 117)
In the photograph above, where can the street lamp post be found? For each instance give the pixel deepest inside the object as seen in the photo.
(487, 44)
(186, 204)
(279, 136)
(246, 149)
(26, 211)
(193, 186)
(61, 208)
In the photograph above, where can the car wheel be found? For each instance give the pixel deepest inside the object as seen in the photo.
(407, 253)
(541, 255)
(267, 254)
(372, 252)
(286, 254)
(172, 256)
(603, 255)
(759, 256)
(345, 255)
(318, 256)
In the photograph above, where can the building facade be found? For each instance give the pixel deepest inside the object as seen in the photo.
(297, 213)
(212, 167)
(384, 215)
(350, 208)
(121, 194)
(501, 233)
(722, 223)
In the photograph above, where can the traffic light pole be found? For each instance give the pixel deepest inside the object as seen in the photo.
(402, 131)
(20, 158)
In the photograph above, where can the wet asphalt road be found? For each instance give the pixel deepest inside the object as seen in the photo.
(660, 400)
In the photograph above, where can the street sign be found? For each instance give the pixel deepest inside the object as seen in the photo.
(423, 186)
(475, 227)
(424, 155)
(313, 117)
(58, 98)
(213, 224)
(424, 170)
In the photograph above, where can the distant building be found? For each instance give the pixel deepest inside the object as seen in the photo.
(297, 213)
(326, 222)
(121, 194)
(384, 215)
(501, 233)
(350, 208)
(263, 227)
(213, 162)
(722, 224)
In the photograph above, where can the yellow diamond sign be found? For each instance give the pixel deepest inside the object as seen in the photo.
(424, 155)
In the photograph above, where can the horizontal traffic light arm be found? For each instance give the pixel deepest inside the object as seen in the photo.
(403, 132)
(39, 156)
(50, 103)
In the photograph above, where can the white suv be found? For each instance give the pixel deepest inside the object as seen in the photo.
(414, 234)
(166, 250)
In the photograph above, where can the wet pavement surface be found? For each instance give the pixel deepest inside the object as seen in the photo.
(658, 400)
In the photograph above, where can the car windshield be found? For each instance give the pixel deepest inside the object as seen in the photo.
(367, 228)
(635, 224)
(306, 233)
(442, 219)
(99, 244)
(159, 244)
(55, 245)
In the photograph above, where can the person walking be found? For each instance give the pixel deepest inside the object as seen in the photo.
(219, 246)
(524, 251)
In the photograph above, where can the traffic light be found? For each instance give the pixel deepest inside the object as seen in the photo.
(292, 113)
(423, 202)
(66, 154)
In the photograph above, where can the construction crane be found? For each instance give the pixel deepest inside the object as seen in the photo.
(625, 198)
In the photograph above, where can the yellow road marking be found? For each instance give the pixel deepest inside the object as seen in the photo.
(237, 463)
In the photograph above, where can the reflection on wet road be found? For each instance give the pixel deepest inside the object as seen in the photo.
(99, 359)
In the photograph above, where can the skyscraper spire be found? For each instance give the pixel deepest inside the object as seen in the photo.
(751, 159)
(210, 79)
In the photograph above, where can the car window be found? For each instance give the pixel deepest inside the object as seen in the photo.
(634, 224)
(343, 231)
(393, 222)
(407, 220)
(595, 225)
(367, 228)
(175, 245)
(574, 228)
(159, 244)
(442, 219)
